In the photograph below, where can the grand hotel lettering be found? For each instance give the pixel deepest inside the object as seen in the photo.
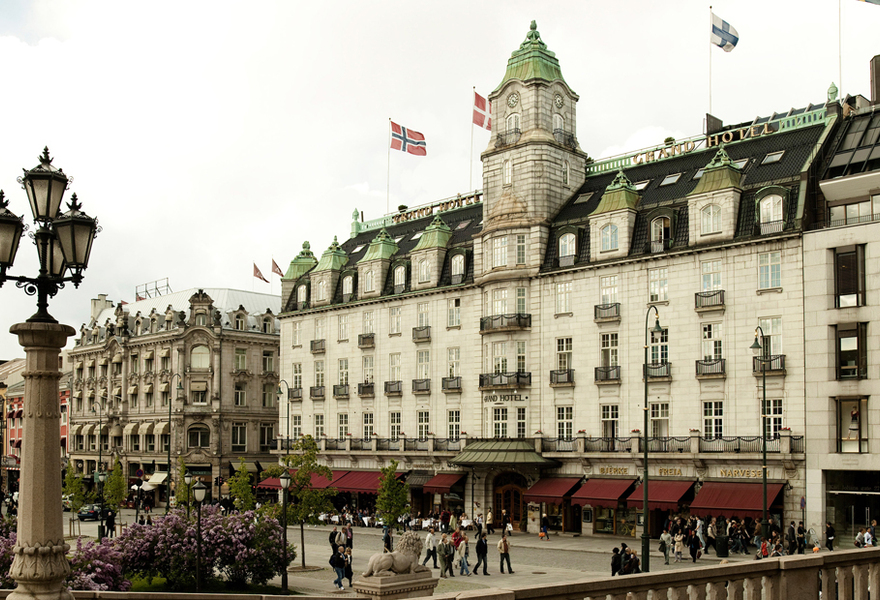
(734, 135)
(418, 213)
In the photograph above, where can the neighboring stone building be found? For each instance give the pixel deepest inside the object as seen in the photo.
(206, 359)
(496, 343)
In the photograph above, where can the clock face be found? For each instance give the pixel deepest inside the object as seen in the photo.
(512, 99)
(558, 101)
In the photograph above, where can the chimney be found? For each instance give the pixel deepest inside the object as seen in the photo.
(875, 80)
(99, 304)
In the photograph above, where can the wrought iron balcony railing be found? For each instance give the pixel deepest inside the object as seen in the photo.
(713, 299)
(608, 373)
(505, 322)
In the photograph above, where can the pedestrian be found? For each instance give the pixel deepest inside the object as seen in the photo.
(489, 524)
(504, 551)
(666, 544)
(699, 529)
(349, 537)
(694, 545)
(482, 554)
(430, 547)
(150, 520)
(873, 529)
(801, 537)
(463, 553)
(616, 561)
(388, 540)
(506, 527)
(829, 536)
(478, 524)
(340, 538)
(679, 546)
(869, 539)
(337, 561)
(711, 532)
(444, 521)
(349, 574)
(791, 538)
(545, 527)
(141, 520)
(441, 548)
(625, 565)
(634, 565)
(332, 539)
(447, 550)
(111, 523)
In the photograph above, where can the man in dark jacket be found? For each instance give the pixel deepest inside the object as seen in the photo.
(482, 554)
(333, 544)
(388, 541)
(791, 539)
(615, 561)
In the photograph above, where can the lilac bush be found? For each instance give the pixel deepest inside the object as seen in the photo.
(97, 567)
(6, 543)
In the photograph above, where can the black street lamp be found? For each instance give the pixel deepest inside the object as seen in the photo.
(170, 402)
(646, 536)
(199, 491)
(102, 476)
(187, 479)
(137, 499)
(756, 348)
(285, 483)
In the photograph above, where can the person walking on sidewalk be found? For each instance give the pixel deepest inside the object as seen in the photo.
(829, 536)
(504, 551)
(666, 540)
(506, 527)
(447, 556)
(332, 539)
(463, 554)
(679, 546)
(489, 524)
(337, 561)
(711, 532)
(349, 574)
(616, 561)
(482, 554)
(545, 527)
(430, 547)
(388, 540)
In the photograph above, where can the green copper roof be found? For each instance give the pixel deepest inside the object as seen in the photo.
(619, 195)
(532, 61)
(333, 258)
(382, 247)
(719, 174)
(302, 264)
(502, 452)
(436, 235)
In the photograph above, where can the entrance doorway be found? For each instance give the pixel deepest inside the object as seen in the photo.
(508, 493)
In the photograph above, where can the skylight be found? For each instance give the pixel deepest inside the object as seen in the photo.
(670, 179)
(463, 224)
(642, 184)
(358, 249)
(398, 238)
(741, 164)
(417, 235)
(773, 157)
(583, 198)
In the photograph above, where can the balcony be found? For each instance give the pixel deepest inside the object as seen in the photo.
(399, 288)
(769, 227)
(497, 323)
(421, 334)
(366, 390)
(393, 388)
(566, 261)
(562, 378)
(511, 136)
(318, 346)
(606, 312)
(421, 386)
(451, 384)
(316, 392)
(657, 246)
(457, 278)
(340, 391)
(709, 301)
(607, 375)
(490, 381)
(773, 364)
(348, 297)
(301, 305)
(565, 138)
(662, 370)
(367, 340)
(711, 369)
(295, 394)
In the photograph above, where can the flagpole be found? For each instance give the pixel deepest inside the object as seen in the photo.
(710, 67)
(839, 47)
(471, 161)
(388, 176)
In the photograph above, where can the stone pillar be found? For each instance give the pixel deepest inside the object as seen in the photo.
(695, 441)
(784, 441)
(40, 563)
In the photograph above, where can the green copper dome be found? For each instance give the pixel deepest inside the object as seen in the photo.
(302, 264)
(532, 61)
(436, 235)
(382, 247)
(333, 259)
(619, 195)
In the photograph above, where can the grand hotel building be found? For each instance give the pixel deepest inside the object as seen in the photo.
(495, 344)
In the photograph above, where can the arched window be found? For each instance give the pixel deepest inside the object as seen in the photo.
(513, 122)
(399, 278)
(710, 219)
(200, 358)
(201, 319)
(659, 234)
(567, 245)
(771, 208)
(368, 281)
(507, 172)
(346, 284)
(565, 169)
(301, 293)
(198, 436)
(424, 271)
(609, 237)
(239, 323)
(458, 265)
(322, 290)
(268, 325)
(558, 123)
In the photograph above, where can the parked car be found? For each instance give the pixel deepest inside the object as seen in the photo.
(89, 512)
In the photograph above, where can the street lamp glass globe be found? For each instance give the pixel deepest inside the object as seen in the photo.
(45, 186)
(285, 480)
(188, 478)
(199, 491)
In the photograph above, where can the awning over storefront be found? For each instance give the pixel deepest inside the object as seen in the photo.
(158, 478)
(502, 452)
(734, 499)
(162, 428)
(602, 492)
(361, 481)
(75, 429)
(130, 429)
(442, 483)
(662, 495)
(551, 489)
(270, 483)
(318, 482)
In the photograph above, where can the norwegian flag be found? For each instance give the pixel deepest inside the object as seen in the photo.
(276, 269)
(482, 112)
(258, 274)
(407, 140)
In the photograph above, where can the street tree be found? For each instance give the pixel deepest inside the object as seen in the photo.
(393, 498)
(116, 486)
(241, 488)
(74, 490)
(181, 492)
(306, 504)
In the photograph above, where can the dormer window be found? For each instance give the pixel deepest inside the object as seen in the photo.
(268, 325)
(660, 234)
(368, 281)
(201, 319)
(399, 279)
(154, 326)
(457, 268)
(710, 219)
(301, 294)
(424, 271)
(239, 323)
(770, 212)
(346, 285)
(566, 245)
(608, 236)
(322, 291)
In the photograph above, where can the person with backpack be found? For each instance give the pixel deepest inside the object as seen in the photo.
(337, 561)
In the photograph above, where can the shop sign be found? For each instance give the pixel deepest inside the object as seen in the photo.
(613, 470)
(425, 211)
(490, 398)
(737, 473)
(669, 472)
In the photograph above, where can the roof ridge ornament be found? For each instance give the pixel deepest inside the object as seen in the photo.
(533, 38)
(621, 181)
(832, 92)
(721, 159)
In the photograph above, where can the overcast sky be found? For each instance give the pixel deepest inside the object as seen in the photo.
(209, 135)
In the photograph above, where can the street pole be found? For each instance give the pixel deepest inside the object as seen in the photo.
(168, 482)
(285, 483)
(99, 477)
(756, 346)
(646, 536)
(199, 491)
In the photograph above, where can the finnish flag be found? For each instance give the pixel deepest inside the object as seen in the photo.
(723, 35)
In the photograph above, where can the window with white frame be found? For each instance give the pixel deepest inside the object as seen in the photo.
(319, 426)
(772, 411)
(520, 249)
(563, 353)
(713, 419)
(422, 314)
(457, 266)
(499, 301)
(347, 283)
(610, 420)
(710, 275)
(395, 422)
(297, 370)
(558, 122)
(342, 371)
(771, 208)
(658, 285)
(368, 424)
(453, 312)
(608, 289)
(239, 437)
(660, 229)
(200, 357)
(772, 343)
(453, 361)
(269, 393)
(609, 349)
(368, 280)
(342, 422)
(423, 364)
(564, 422)
(399, 277)
(507, 172)
(319, 373)
(241, 359)
(521, 307)
(424, 423)
(240, 395)
(499, 422)
(567, 245)
(710, 219)
(659, 419)
(296, 334)
(769, 270)
(563, 297)
(424, 271)
(520, 422)
(711, 341)
(394, 319)
(394, 367)
(301, 294)
(296, 424)
(520, 357)
(608, 236)
(453, 420)
(499, 251)
(499, 357)
(368, 368)
(268, 361)
(660, 347)
(267, 436)
(513, 122)
(319, 328)
(368, 322)
(343, 327)
(322, 290)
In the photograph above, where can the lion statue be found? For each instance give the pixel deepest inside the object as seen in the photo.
(403, 561)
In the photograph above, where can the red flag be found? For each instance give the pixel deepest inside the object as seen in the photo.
(482, 112)
(276, 269)
(259, 275)
(407, 140)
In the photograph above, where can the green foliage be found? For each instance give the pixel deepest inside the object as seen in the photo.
(116, 486)
(272, 471)
(393, 498)
(306, 504)
(181, 491)
(73, 487)
(241, 488)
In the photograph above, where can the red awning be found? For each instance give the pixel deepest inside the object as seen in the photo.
(360, 481)
(270, 483)
(11, 414)
(442, 483)
(551, 490)
(18, 443)
(734, 499)
(662, 495)
(18, 414)
(602, 492)
(319, 482)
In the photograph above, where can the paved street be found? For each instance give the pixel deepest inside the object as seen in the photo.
(564, 558)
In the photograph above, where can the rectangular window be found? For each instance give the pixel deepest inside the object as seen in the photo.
(422, 314)
(319, 328)
(319, 373)
(852, 425)
(148, 400)
(296, 425)
(563, 354)
(658, 285)
(240, 396)
(772, 342)
(267, 436)
(608, 289)
(135, 363)
(499, 422)
(424, 422)
(165, 440)
(423, 364)
(394, 320)
(165, 362)
(453, 361)
(342, 370)
(394, 420)
(564, 422)
(453, 312)
(166, 398)
(342, 420)
(710, 275)
(772, 412)
(499, 357)
(769, 270)
(520, 357)
(849, 276)
(520, 249)
(563, 297)
(659, 419)
(240, 359)
(499, 251)
(712, 341)
(368, 425)
(268, 361)
(453, 419)
(343, 327)
(269, 394)
(135, 442)
(133, 401)
(319, 426)
(368, 369)
(297, 370)
(369, 324)
(610, 420)
(394, 367)
(239, 437)
(499, 302)
(852, 351)
(609, 350)
(150, 442)
(199, 397)
(521, 422)
(660, 347)
(713, 419)
(521, 307)
(296, 333)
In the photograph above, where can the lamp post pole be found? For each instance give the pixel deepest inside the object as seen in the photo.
(285, 483)
(287, 441)
(199, 491)
(646, 536)
(187, 479)
(170, 403)
(102, 476)
(756, 348)
(99, 473)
